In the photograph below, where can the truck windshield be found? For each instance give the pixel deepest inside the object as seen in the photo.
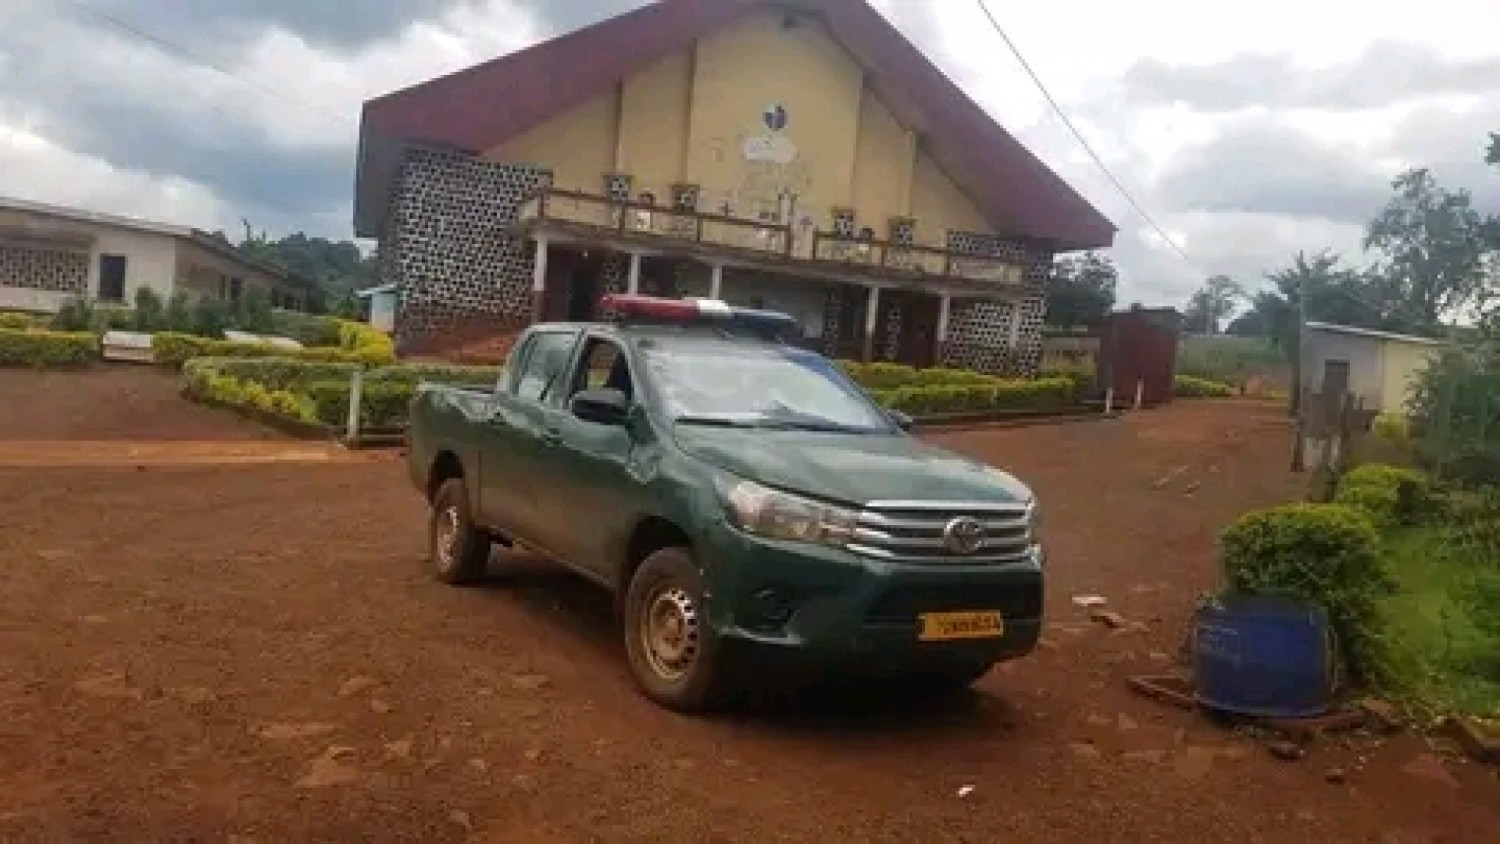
(762, 387)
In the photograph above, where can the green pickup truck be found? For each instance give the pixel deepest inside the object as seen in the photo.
(752, 509)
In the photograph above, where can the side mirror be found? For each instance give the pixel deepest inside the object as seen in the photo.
(604, 406)
(902, 421)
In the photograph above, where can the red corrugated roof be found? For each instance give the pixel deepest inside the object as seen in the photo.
(485, 105)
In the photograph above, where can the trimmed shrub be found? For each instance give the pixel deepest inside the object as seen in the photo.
(1389, 495)
(173, 349)
(20, 322)
(890, 376)
(150, 311)
(1188, 387)
(412, 373)
(279, 373)
(76, 314)
(208, 384)
(308, 329)
(383, 404)
(369, 343)
(962, 398)
(1325, 553)
(31, 347)
(1394, 428)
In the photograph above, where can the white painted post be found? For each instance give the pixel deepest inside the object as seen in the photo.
(356, 398)
(539, 267)
(945, 303)
(1109, 401)
(539, 279)
(633, 282)
(716, 281)
(1140, 392)
(872, 317)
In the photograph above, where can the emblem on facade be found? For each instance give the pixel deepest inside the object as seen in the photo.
(771, 145)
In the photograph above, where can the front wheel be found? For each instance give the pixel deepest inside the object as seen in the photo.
(460, 552)
(673, 653)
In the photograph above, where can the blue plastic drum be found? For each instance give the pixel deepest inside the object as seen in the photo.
(1263, 655)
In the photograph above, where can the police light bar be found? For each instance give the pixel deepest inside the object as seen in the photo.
(698, 312)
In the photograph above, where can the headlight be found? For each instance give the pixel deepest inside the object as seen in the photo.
(778, 515)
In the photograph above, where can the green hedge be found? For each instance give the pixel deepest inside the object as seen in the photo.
(17, 321)
(1326, 553)
(315, 391)
(1389, 495)
(173, 349)
(890, 376)
(30, 347)
(1040, 394)
(383, 404)
(1188, 387)
(209, 384)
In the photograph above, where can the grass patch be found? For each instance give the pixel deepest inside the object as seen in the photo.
(1439, 659)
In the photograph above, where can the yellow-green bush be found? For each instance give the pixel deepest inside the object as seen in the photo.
(1329, 554)
(1040, 394)
(1394, 428)
(1388, 495)
(371, 344)
(890, 376)
(33, 347)
(381, 404)
(174, 349)
(20, 322)
(207, 384)
(1188, 387)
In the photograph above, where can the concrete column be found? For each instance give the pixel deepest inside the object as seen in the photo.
(1016, 316)
(945, 303)
(539, 280)
(633, 281)
(872, 317)
(716, 281)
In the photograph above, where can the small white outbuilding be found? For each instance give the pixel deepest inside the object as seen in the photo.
(1378, 367)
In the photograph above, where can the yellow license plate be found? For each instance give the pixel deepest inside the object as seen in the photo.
(942, 626)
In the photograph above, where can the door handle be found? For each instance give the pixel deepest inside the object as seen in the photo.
(551, 436)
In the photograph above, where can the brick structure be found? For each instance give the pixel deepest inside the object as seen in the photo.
(448, 244)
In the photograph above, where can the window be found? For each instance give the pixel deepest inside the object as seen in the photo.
(546, 358)
(236, 289)
(603, 366)
(112, 278)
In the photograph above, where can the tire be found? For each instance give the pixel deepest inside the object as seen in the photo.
(459, 552)
(670, 583)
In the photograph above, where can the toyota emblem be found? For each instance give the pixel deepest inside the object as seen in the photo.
(963, 535)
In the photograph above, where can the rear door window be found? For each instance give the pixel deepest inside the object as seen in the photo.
(545, 364)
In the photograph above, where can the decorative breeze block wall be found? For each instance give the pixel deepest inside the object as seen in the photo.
(448, 243)
(57, 270)
(979, 330)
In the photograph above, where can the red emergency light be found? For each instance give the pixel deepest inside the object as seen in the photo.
(631, 306)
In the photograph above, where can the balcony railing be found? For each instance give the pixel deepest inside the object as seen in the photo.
(915, 258)
(632, 217)
(779, 240)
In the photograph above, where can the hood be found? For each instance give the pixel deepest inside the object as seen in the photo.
(850, 468)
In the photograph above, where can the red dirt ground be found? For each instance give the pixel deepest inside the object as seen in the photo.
(253, 653)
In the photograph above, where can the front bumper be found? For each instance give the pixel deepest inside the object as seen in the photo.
(831, 607)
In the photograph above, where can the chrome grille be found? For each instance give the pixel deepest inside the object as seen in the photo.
(912, 531)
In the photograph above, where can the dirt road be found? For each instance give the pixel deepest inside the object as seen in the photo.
(253, 653)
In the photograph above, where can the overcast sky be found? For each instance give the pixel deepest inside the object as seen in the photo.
(1249, 131)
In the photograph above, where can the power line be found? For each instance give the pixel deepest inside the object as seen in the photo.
(184, 52)
(1087, 147)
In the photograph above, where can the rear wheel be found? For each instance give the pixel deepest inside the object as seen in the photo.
(460, 552)
(673, 653)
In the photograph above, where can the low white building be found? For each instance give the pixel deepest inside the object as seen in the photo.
(1378, 367)
(50, 254)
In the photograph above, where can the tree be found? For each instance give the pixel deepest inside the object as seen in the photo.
(1432, 245)
(1212, 304)
(335, 268)
(1081, 290)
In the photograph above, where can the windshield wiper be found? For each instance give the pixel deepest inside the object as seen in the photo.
(719, 421)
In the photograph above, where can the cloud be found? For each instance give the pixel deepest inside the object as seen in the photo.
(1388, 72)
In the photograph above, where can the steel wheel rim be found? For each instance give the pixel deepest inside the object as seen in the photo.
(446, 540)
(669, 632)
